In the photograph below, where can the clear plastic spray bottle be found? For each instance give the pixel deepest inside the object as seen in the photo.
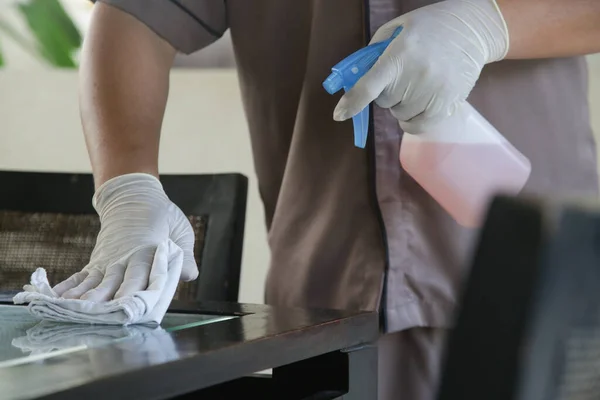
(461, 162)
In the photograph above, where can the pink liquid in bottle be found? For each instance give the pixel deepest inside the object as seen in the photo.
(463, 164)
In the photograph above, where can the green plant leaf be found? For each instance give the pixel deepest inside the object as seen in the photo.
(56, 35)
(1, 58)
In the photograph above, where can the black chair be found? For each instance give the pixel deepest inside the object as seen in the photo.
(529, 322)
(47, 220)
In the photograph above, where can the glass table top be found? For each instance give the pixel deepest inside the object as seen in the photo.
(24, 337)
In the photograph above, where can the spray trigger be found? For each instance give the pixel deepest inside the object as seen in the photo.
(347, 72)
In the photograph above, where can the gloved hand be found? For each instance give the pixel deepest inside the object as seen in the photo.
(135, 216)
(431, 67)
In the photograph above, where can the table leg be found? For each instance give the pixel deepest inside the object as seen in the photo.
(362, 373)
(350, 374)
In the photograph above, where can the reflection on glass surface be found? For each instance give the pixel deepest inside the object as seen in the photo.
(24, 338)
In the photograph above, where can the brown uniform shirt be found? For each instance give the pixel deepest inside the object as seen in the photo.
(340, 217)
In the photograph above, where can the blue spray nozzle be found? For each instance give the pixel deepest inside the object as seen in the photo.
(333, 83)
(347, 72)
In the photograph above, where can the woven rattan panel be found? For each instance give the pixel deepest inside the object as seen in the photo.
(62, 244)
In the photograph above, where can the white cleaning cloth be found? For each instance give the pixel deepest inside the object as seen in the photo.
(148, 306)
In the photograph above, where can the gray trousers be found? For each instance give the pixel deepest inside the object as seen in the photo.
(409, 364)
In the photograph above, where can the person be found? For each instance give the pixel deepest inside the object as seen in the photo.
(348, 228)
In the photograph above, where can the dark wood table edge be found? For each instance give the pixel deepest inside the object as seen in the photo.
(345, 330)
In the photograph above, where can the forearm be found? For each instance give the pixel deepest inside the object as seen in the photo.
(551, 28)
(124, 81)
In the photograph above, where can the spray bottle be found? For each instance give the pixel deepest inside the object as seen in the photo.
(462, 161)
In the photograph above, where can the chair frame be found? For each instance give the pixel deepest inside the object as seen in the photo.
(535, 279)
(221, 198)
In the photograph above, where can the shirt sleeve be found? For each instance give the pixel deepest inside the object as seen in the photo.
(188, 25)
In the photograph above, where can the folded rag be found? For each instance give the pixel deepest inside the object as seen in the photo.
(148, 306)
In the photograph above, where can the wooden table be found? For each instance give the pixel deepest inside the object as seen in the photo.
(207, 351)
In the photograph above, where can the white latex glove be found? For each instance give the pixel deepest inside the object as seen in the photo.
(135, 216)
(431, 67)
